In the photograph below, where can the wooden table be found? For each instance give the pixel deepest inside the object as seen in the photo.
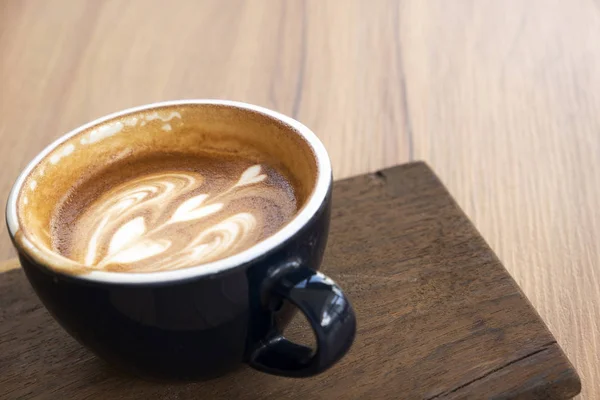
(501, 97)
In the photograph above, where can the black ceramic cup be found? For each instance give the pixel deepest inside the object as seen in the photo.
(202, 321)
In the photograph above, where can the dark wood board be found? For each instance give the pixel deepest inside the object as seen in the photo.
(438, 316)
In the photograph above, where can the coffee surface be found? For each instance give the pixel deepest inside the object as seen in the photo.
(169, 211)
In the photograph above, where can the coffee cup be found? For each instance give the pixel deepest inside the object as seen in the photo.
(175, 240)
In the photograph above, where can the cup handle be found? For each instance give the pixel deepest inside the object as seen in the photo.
(327, 310)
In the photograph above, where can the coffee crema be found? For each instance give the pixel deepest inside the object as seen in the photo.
(167, 212)
(164, 188)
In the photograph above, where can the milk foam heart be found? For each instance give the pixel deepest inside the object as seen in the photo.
(169, 218)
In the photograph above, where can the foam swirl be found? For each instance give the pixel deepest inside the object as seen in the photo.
(165, 220)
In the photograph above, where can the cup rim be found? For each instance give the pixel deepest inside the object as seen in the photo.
(311, 207)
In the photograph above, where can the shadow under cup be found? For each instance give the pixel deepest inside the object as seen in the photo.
(201, 321)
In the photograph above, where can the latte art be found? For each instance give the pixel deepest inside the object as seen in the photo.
(171, 219)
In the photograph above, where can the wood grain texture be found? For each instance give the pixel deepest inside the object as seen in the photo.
(439, 316)
(500, 97)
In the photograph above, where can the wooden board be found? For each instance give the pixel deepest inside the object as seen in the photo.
(439, 316)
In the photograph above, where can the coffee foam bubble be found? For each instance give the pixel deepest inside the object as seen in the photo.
(171, 217)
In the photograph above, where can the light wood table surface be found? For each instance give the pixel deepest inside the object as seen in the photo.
(501, 98)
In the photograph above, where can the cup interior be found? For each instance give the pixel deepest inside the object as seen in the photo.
(216, 128)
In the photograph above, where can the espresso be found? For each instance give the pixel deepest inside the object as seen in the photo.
(163, 188)
(166, 211)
